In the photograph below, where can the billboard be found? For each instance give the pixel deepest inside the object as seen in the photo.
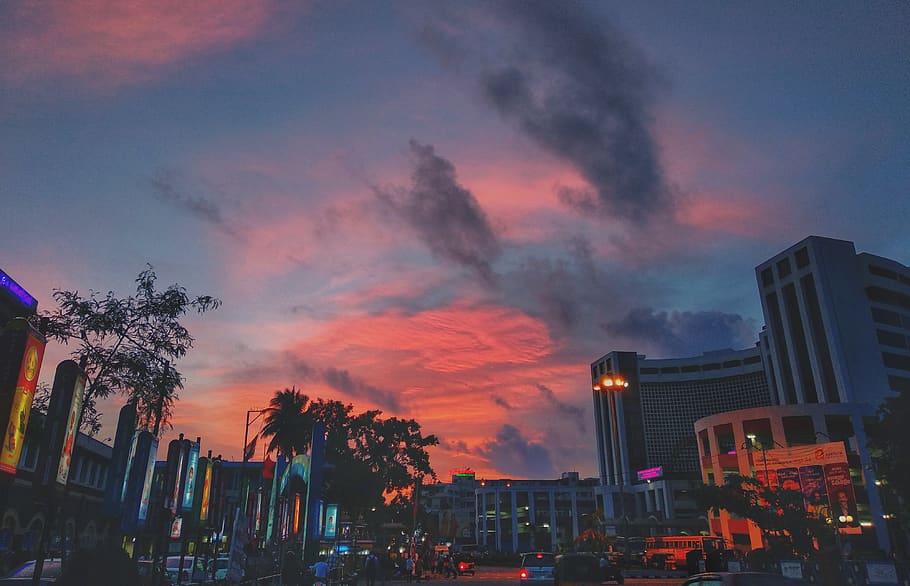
(206, 489)
(72, 428)
(821, 473)
(20, 402)
(331, 522)
(191, 473)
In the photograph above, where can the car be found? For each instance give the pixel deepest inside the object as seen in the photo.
(193, 569)
(221, 566)
(584, 569)
(537, 568)
(465, 565)
(150, 574)
(50, 571)
(739, 579)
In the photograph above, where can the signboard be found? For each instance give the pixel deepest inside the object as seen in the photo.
(650, 473)
(18, 292)
(21, 406)
(331, 521)
(792, 569)
(206, 491)
(72, 428)
(176, 526)
(190, 484)
(821, 473)
(147, 482)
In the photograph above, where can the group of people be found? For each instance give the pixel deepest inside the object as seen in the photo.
(444, 565)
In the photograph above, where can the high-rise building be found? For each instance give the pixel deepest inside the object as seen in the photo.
(835, 344)
(837, 324)
(646, 448)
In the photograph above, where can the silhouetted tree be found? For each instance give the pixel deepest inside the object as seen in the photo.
(130, 344)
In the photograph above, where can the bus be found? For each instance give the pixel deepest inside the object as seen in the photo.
(669, 551)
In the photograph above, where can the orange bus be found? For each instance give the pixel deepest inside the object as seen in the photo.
(669, 551)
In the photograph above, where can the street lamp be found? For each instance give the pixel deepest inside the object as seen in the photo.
(612, 382)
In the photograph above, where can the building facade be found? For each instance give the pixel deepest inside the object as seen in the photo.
(646, 448)
(534, 515)
(837, 324)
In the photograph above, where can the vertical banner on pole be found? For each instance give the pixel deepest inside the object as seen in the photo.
(23, 350)
(126, 425)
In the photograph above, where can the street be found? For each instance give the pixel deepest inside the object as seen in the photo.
(503, 576)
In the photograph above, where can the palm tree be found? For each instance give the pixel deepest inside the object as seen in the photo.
(287, 422)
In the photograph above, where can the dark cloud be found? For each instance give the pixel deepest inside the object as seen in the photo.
(497, 400)
(513, 455)
(577, 416)
(573, 84)
(445, 215)
(173, 190)
(344, 382)
(685, 333)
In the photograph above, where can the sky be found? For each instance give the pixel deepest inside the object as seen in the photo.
(444, 210)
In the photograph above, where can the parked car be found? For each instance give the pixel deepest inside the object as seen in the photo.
(24, 574)
(537, 568)
(193, 569)
(583, 569)
(739, 579)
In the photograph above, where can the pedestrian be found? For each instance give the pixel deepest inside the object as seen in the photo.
(409, 568)
(290, 569)
(418, 569)
(371, 568)
(320, 571)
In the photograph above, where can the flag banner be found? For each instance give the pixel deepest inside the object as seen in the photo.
(250, 449)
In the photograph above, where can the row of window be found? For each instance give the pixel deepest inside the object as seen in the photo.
(889, 274)
(801, 257)
(701, 367)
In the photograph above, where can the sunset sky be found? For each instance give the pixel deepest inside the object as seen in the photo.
(444, 210)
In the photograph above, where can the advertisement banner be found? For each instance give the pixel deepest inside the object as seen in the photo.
(206, 491)
(331, 521)
(821, 473)
(147, 482)
(21, 407)
(190, 484)
(72, 428)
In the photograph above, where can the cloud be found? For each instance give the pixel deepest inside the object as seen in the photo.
(169, 188)
(577, 415)
(344, 382)
(497, 400)
(110, 43)
(445, 215)
(576, 87)
(685, 333)
(513, 454)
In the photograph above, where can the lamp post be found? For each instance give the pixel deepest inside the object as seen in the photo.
(610, 383)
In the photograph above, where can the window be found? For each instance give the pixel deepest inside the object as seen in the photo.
(898, 361)
(767, 279)
(645, 370)
(669, 370)
(899, 384)
(887, 338)
(732, 363)
(887, 317)
(882, 272)
(783, 268)
(802, 258)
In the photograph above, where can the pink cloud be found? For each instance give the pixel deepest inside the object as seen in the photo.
(111, 43)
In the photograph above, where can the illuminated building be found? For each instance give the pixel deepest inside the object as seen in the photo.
(646, 449)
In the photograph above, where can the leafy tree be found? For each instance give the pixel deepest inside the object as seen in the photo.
(371, 460)
(130, 345)
(287, 423)
(780, 513)
(592, 538)
(889, 445)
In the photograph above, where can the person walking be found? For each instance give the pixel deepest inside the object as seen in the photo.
(371, 568)
(409, 568)
(320, 571)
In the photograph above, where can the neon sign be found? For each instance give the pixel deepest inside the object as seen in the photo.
(650, 473)
(23, 296)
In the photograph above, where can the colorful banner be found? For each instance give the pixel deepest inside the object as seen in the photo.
(147, 482)
(21, 403)
(72, 428)
(821, 473)
(206, 491)
(331, 521)
(190, 484)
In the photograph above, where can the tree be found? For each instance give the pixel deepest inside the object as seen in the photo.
(130, 345)
(889, 445)
(780, 513)
(287, 423)
(369, 458)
